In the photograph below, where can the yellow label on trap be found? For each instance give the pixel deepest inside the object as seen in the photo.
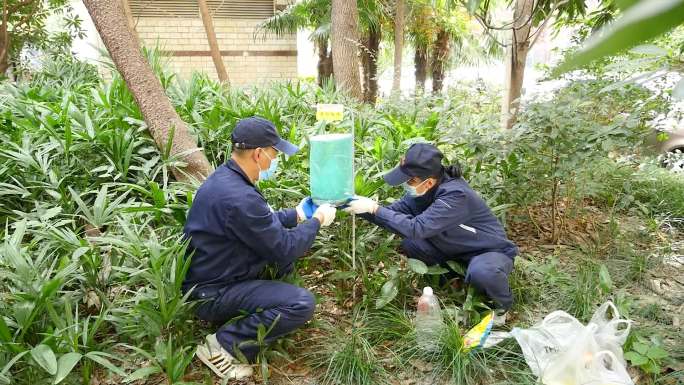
(329, 112)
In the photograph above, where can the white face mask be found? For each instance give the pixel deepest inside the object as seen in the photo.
(412, 191)
(270, 171)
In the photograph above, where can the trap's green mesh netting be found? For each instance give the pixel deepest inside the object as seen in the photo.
(331, 167)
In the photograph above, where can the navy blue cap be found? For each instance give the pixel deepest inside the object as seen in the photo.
(422, 160)
(256, 132)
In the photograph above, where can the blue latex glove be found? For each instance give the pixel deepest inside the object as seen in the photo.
(306, 208)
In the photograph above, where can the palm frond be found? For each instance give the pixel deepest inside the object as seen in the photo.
(288, 21)
(373, 14)
(322, 33)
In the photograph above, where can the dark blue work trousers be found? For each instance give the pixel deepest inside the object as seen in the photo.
(257, 302)
(487, 272)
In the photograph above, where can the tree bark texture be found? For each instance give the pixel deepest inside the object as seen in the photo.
(517, 57)
(129, 18)
(161, 118)
(369, 57)
(4, 39)
(421, 63)
(213, 43)
(325, 62)
(345, 42)
(440, 59)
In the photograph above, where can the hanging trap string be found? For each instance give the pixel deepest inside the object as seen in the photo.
(353, 242)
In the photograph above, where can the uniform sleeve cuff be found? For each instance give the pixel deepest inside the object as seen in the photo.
(380, 212)
(291, 216)
(316, 221)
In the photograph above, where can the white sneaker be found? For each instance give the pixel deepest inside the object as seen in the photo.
(220, 361)
(499, 317)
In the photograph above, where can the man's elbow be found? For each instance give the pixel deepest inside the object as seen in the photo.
(292, 251)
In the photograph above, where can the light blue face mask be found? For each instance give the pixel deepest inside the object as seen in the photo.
(270, 172)
(412, 190)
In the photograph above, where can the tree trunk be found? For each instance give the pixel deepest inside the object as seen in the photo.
(345, 21)
(4, 66)
(440, 58)
(398, 45)
(213, 43)
(370, 66)
(325, 62)
(129, 18)
(4, 60)
(420, 62)
(517, 56)
(4, 39)
(160, 116)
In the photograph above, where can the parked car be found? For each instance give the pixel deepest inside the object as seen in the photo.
(673, 142)
(669, 144)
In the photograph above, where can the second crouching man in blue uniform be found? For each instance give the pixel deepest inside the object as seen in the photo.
(441, 218)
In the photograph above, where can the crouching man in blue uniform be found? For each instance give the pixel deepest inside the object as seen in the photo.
(234, 235)
(441, 218)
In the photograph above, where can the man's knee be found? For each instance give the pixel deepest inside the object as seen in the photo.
(303, 305)
(485, 274)
(489, 270)
(490, 275)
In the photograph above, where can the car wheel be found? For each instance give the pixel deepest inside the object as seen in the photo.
(674, 160)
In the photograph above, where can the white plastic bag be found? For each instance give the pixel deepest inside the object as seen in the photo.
(611, 331)
(562, 351)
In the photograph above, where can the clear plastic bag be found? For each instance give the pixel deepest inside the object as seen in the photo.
(560, 350)
(611, 331)
(544, 342)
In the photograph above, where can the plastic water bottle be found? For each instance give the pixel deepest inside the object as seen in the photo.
(429, 322)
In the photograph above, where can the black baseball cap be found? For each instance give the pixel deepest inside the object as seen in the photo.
(258, 132)
(422, 160)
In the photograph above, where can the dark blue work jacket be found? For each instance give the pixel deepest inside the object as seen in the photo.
(452, 217)
(234, 234)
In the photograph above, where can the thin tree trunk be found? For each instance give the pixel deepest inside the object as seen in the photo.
(370, 66)
(4, 60)
(4, 40)
(4, 66)
(440, 57)
(325, 63)
(345, 21)
(420, 62)
(213, 43)
(517, 57)
(160, 116)
(554, 211)
(398, 45)
(129, 17)
(554, 203)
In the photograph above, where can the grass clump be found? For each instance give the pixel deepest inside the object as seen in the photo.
(345, 356)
